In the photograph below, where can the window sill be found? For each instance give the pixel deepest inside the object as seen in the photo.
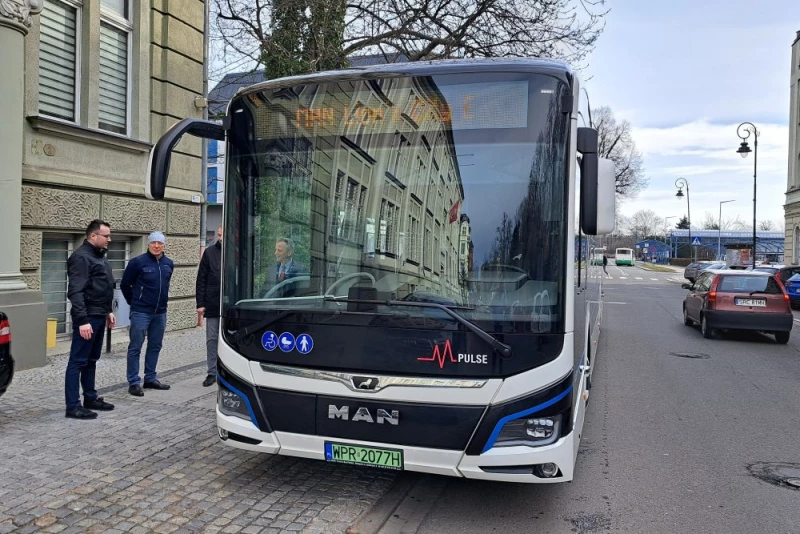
(93, 136)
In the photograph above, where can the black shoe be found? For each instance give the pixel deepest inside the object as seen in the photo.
(155, 385)
(80, 413)
(209, 381)
(136, 390)
(98, 404)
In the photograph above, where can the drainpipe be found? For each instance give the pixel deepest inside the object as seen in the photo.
(204, 145)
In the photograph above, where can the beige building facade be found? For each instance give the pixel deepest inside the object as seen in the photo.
(102, 80)
(792, 207)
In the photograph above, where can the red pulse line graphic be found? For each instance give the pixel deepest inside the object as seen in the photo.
(440, 356)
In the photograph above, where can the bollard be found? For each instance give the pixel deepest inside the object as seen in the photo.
(52, 327)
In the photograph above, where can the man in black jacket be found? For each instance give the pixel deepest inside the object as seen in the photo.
(90, 291)
(207, 291)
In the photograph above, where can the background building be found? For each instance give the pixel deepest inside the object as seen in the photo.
(102, 81)
(792, 207)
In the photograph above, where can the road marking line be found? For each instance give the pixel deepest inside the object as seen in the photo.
(623, 277)
(615, 303)
(654, 279)
(639, 278)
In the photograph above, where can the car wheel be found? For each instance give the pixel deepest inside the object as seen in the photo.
(782, 337)
(707, 332)
(686, 320)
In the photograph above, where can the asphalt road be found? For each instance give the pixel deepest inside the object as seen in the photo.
(683, 434)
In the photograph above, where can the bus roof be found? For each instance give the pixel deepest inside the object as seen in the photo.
(551, 67)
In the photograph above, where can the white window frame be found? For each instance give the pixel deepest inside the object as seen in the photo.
(125, 25)
(78, 6)
(796, 245)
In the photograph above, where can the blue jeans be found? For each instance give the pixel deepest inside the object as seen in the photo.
(83, 356)
(151, 325)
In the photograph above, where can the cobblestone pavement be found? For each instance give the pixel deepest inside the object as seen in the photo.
(155, 464)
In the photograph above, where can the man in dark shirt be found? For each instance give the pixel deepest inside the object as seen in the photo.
(207, 291)
(90, 291)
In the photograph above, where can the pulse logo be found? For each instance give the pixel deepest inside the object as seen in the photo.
(442, 355)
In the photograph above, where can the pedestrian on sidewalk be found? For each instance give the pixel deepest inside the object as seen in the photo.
(90, 292)
(207, 294)
(605, 264)
(145, 286)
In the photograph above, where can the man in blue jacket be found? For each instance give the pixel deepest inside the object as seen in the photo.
(145, 286)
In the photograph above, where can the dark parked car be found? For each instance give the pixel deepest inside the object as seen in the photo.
(784, 272)
(693, 269)
(6, 361)
(738, 300)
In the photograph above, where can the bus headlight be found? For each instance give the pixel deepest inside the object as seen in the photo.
(530, 431)
(232, 404)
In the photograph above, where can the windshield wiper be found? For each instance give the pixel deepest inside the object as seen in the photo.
(500, 347)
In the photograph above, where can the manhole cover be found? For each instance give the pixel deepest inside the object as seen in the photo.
(691, 355)
(777, 474)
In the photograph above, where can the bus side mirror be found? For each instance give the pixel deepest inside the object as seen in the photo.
(161, 154)
(598, 193)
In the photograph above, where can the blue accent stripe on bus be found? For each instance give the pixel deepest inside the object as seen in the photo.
(243, 397)
(524, 413)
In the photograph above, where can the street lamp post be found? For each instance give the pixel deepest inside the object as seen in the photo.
(744, 131)
(680, 183)
(719, 227)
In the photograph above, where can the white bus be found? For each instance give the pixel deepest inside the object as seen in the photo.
(624, 256)
(399, 282)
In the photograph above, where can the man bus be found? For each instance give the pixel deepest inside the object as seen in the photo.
(438, 319)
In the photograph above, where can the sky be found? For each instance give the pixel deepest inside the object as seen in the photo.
(685, 74)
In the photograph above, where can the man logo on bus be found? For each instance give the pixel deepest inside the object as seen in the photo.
(446, 354)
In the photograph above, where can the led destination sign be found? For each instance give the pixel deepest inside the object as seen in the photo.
(460, 106)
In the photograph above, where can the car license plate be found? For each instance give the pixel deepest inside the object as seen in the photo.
(358, 455)
(760, 303)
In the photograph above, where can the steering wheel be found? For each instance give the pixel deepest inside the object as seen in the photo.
(280, 285)
(330, 293)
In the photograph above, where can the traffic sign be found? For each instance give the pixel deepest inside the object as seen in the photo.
(696, 242)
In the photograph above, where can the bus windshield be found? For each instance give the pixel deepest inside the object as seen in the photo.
(447, 189)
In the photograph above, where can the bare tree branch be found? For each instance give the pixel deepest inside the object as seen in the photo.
(616, 143)
(419, 29)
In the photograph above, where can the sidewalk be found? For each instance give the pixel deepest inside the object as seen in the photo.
(156, 463)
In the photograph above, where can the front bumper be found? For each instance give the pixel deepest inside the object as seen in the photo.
(444, 439)
(766, 322)
(504, 464)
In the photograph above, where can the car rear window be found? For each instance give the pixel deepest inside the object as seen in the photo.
(748, 284)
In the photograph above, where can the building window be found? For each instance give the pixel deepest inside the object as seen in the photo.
(115, 33)
(59, 31)
(119, 252)
(349, 202)
(55, 251)
(796, 247)
(389, 222)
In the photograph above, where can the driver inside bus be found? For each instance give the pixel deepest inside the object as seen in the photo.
(285, 268)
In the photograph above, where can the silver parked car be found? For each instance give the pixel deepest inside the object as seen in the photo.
(693, 269)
